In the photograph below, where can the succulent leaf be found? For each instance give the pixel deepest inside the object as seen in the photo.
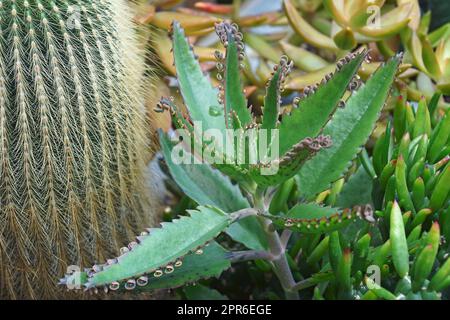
(304, 29)
(318, 104)
(272, 98)
(211, 263)
(441, 191)
(190, 23)
(439, 138)
(350, 127)
(289, 164)
(399, 244)
(233, 94)
(199, 95)
(193, 267)
(162, 247)
(312, 218)
(304, 59)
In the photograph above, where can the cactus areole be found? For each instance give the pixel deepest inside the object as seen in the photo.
(72, 134)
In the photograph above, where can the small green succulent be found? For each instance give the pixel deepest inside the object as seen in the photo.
(406, 248)
(406, 266)
(410, 162)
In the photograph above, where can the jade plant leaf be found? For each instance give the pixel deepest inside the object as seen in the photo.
(313, 218)
(350, 127)
(160, 250)
(198, 93)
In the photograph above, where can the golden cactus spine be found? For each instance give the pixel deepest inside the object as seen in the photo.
(72, 138)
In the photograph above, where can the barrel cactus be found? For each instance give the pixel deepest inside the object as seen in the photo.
(72, 138)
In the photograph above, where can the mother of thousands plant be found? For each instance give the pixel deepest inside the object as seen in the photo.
(314, 145)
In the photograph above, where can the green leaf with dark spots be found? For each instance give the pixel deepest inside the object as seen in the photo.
(312, 218)
(198, 94)
(349, 128)
(314, 111)
(233, 92)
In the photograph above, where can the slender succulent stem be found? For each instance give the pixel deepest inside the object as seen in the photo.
(247, 255)
(285, 236)
(306, 283)
(276, 249)
(241, 214)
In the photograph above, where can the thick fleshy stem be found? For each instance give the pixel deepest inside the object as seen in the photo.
(276, 249)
